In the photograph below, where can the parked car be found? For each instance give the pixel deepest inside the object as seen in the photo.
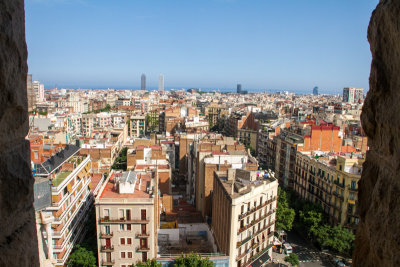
(287, 248)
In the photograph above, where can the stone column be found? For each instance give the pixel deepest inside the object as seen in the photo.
(18, 240)
(378, 234)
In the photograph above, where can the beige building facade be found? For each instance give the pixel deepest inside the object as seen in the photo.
(243, 214)
(127, 217)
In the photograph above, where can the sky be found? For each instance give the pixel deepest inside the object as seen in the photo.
(262, 44)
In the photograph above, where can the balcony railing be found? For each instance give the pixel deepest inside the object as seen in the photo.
(106, 235)
(124, 220)
(107, 248)
(339, 184)
(142, 249)
(140, 235)
(352, 188)
(107, 262)
(241, 216)
(337, 195)
(256, 221)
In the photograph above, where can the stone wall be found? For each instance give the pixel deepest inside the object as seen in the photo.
(18, 240)
(378, 235)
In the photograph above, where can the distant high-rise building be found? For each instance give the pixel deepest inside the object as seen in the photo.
(161, 83)
(30, 93)
(38, 91)
(239, 88)
(353, 95)
(315, 90)
(143, 82)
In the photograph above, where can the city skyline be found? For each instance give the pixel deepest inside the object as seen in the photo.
(213, 44)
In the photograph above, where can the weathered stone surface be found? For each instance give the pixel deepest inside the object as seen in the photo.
(378, 235)
(18, 241)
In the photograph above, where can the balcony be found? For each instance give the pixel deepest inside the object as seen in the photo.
(336, 182)
(124, 220)
(338, 196)
(142, 249)
(107, 263)
(106, 235)
(238, 244)
(354, 189)
(142, 235)
(241, 216)
(256, 221)
(107, 248)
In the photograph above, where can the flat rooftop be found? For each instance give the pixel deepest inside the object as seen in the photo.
(242, 181)
(111, 189)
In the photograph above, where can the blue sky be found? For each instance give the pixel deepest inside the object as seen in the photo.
(262, 44)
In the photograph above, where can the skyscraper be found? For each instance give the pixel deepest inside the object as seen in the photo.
(315, 90)
(239, 88)
(161, 83)
(143, 82)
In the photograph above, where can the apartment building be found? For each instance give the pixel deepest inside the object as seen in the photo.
(314, 176)
(243, 215)
(345, 190)
(138, 126)
(353, 95)
(143, 158)
(213, 112)
(212, 158)
(61, 208)
(330, 180)
(244, 127)
(127, 216)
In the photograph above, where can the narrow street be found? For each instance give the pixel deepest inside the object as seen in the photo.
(308, 255)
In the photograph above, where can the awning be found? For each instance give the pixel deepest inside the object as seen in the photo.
(260, 260)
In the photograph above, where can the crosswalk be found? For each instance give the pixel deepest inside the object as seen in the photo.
(309, 256)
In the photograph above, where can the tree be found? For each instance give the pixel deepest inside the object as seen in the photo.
(340, 239)
(311, 220)
(192, 259)
(293, 259)
(149, 263)
(322, 235)
(81, 257)
(284, 214)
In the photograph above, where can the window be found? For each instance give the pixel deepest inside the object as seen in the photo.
(106, 213)
(130, 255)
(128, 227)
(122, 227)
(353, 184)
(121, 214)
(123, 255)
(129, 241)
(143, 214)
(107, 229)
(36, 155)
(122, 241)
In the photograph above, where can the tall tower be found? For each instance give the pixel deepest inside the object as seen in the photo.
(161, 83)
(143, 82)
(315, 90)
(239, 88)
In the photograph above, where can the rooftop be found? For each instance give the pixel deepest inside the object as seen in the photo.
(60, 178)
(237, 182)
(141, 188)
(56, 161)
